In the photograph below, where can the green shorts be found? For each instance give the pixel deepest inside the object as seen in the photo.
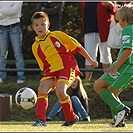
(121, 78)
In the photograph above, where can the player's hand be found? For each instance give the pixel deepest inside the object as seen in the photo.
(94, 63)
(110, 70)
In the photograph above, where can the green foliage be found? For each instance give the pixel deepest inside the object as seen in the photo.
(71, 22)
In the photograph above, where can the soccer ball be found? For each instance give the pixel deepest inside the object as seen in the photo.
(25, 98)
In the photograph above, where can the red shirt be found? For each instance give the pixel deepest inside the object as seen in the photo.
(104, 16)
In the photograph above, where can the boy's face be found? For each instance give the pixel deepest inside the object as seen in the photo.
(40, 26)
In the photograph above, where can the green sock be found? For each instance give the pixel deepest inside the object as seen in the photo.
(114, 112)
(111, 100)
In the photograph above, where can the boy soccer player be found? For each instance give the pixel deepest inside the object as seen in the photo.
(120, 74)
(54, 54)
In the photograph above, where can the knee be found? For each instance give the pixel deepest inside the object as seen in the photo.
(98, 87)
(58, 93)
(42, 89)
(61, 94)
(95, 87)
(74, 98)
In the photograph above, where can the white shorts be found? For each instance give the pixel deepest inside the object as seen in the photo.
(92, 43)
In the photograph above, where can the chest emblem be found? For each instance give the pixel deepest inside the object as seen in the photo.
(57, 44)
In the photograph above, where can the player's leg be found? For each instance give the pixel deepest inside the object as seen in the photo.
(66, 104)
(65, 78)
(42, 101)
(119, 79)
(113, 111)
(108, 97)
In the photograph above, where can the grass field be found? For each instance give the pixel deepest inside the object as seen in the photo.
(22, 120)
(55, 126)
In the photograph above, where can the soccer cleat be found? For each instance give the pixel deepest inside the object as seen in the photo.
(67, 123)
(122, 115)
(39, 122)
(121, 124)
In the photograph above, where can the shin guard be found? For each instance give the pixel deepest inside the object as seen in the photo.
(68, 109)
(41, 107)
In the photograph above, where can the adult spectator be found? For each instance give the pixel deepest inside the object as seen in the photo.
(96, 18)
(10, 13)
(54, 11)
(79, 100)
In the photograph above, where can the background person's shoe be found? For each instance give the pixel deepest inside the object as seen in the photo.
(1, 80)
(87, 119)
(122, 115)
(66, 123)
(39, 122)
(48, 119)
(20, 81)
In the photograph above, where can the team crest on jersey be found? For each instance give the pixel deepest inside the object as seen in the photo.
(114, 75)
(126, 39)
(57, 44)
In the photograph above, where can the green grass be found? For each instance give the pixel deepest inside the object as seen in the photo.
(55, 126)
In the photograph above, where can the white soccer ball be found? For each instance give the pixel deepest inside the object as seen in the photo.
(25, 98)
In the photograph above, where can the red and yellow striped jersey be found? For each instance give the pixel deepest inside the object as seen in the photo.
(55, 51)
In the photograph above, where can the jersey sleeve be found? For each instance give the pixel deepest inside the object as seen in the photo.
(71, 43)
(127, 40)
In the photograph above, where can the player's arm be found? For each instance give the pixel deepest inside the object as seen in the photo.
(84, 53)
(75, 47)
(125, 55)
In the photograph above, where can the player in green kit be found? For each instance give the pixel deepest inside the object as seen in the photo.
(120, 74)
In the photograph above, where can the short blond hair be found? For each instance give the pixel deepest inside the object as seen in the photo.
(125, 13)
(40, 14)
